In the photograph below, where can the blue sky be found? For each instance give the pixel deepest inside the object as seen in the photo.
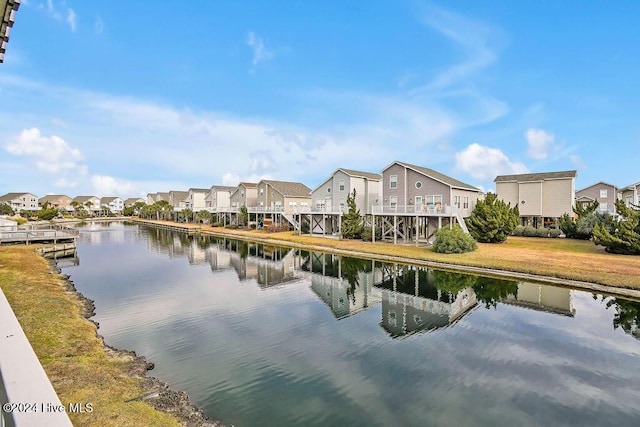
(111, 99)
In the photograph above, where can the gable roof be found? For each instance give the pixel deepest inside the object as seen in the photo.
(445, 179)
(221, 187)
(289, 189)
(10, 196)
(249, 184)
(84, 199)
(199, 190)
(597, 183)
(161, 196)
(51, 198)
(536, 176)
(631, 187)
(360, 174)
(133, 200)
(108, 199)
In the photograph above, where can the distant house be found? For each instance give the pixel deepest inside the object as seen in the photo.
(151, 198)
(218, 196)
(177, 199)
(196, 199)
(630, 194)
(605, 194)
(132, 201)
(333, 192)
(407, 187)
(89, 203)
(114, 204)
(542, 198)
(283, 195)
(58, 201)
(21, 201)
(245, 194)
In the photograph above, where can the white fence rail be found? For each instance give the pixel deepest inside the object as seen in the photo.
(414, 210)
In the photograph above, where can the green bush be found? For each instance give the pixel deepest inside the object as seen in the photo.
(542, 232)
(304, 228)
(530, 231)
(231, 226)
(518, 231)
(555, 233)
(453, 241)
(492, 220)
(366, 234)
(217, 224)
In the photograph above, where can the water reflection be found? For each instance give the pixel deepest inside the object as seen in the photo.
(251, 333)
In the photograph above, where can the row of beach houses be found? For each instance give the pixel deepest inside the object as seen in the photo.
(406, 201)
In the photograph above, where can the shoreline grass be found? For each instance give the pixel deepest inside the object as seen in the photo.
(568, 259)
(79, 366)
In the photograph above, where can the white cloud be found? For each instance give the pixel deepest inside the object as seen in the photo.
(260, 52)
(578, 162)
(485, 163)
(50, 154)
(65, 183)
(540, 142)
(71, 19)
(99, 26)
(106, 186)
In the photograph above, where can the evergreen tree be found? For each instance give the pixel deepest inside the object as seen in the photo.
(622, 237)
(587, 217)
(492, 220)
(5, 209)
(352, 222)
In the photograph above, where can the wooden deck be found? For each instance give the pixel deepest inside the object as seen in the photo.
(36, 236)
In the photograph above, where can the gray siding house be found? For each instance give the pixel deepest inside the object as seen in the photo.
(332, 194)
(177, 199)
(605, 194)
(283, 195)
(245, 194)
(219, 196)
(410, 188)
(21, 201)
(542, 198)
(195, 199)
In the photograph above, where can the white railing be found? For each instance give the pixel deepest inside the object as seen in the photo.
(319, 209)
(262, 209)
(415, 210)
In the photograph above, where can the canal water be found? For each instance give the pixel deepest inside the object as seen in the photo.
(258, 336)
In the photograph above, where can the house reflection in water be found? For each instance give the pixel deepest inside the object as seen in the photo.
(412, 301)
(547, 298)
(346, 285)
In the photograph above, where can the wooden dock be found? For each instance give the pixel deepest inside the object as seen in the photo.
(37, 236)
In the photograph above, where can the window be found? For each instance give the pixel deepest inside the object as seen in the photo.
(393, 201)
(261, 204)
(603, 193)
(418, 184)
(603, 206)
(328, 189)
(342, 203)
(393, 181)
(465, 202)
(342, 185)
(242, 194)
(305, 204)
(262, 191)
(434, 201)
(456, 201)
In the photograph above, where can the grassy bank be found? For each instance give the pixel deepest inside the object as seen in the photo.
(560, 258)
(73, 356)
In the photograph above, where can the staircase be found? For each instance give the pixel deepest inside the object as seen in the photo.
(291, 220)
(463, 225)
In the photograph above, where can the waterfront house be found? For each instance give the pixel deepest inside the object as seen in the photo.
(21, 201)
(90, 203)
(332, 194)
(218, 197)
(114, 204)
(283, 195)
(151, 198)
(605, 194)
(58, 201)
(542, 198)
(630, 195)
(245, 194)
(414, 188)
(196, 199)
(132, 201)
(177, 199)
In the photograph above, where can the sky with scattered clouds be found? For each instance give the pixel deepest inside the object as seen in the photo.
(157, 96)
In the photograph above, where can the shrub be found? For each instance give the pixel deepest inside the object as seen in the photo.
(277, 228)
(530, 231)
(492, 220)
(518, 231)
(304, 228)
(542, 232)
(217, 224)
(453, 241)
(231, 226)
(366, 234)
(555, 233)
(623, 237)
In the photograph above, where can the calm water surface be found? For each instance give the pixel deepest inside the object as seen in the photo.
(264, 336)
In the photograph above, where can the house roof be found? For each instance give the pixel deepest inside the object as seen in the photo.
(452, 182)
(289, 189)
(221, 187)
(597, 183)
(536, 176)
(199, 190)
(162, 196)
(51, 198)
(7, 9)
(108, 199)
(133, 200)
(584, 199)
(631, 187)
(368, 175)
(249, 184)
(84, 199)
(10, 196)
(178, 196)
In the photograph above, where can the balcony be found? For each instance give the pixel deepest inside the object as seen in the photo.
(444, 210)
